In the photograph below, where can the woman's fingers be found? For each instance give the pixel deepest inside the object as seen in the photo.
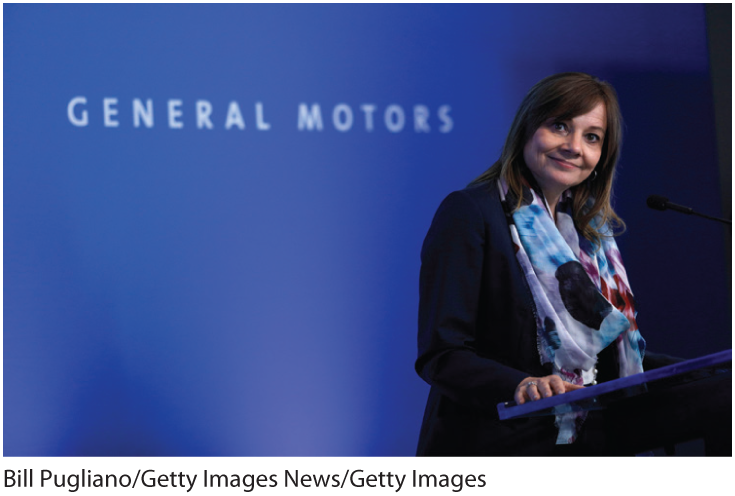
(545, 388)
(532, 391)
(557, 384)
(536, 388)
(568, 386)
(526, 390)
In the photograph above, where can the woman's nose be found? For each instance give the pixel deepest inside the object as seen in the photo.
(573, 144)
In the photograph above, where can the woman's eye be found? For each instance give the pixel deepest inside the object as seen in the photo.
(593, 138)
(559, 126)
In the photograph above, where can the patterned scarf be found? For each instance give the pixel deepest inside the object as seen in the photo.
(582, 296)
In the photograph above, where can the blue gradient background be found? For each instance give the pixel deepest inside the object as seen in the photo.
(254, 293)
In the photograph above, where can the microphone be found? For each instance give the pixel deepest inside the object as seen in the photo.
(658, 202)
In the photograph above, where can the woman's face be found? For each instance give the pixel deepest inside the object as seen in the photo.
(562, 154)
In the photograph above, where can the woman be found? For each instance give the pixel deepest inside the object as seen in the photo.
(522, 291)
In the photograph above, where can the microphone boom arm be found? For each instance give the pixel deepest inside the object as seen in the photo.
(657, 202)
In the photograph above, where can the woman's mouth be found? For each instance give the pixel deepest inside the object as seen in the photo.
(564, 163)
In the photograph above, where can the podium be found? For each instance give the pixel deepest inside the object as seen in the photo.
(654, 409)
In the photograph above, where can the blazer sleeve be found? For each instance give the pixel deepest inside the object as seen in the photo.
(449, 294)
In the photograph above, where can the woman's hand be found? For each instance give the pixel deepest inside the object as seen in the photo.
(535, 388)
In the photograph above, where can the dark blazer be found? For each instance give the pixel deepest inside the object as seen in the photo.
(477, 333)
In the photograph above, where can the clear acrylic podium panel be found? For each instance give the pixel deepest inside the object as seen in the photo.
(598, 397)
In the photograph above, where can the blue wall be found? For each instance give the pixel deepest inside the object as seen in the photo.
(180, 290)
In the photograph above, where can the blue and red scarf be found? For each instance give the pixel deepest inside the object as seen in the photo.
(581, 291)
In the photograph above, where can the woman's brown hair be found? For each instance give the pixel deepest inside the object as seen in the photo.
(565, 96)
